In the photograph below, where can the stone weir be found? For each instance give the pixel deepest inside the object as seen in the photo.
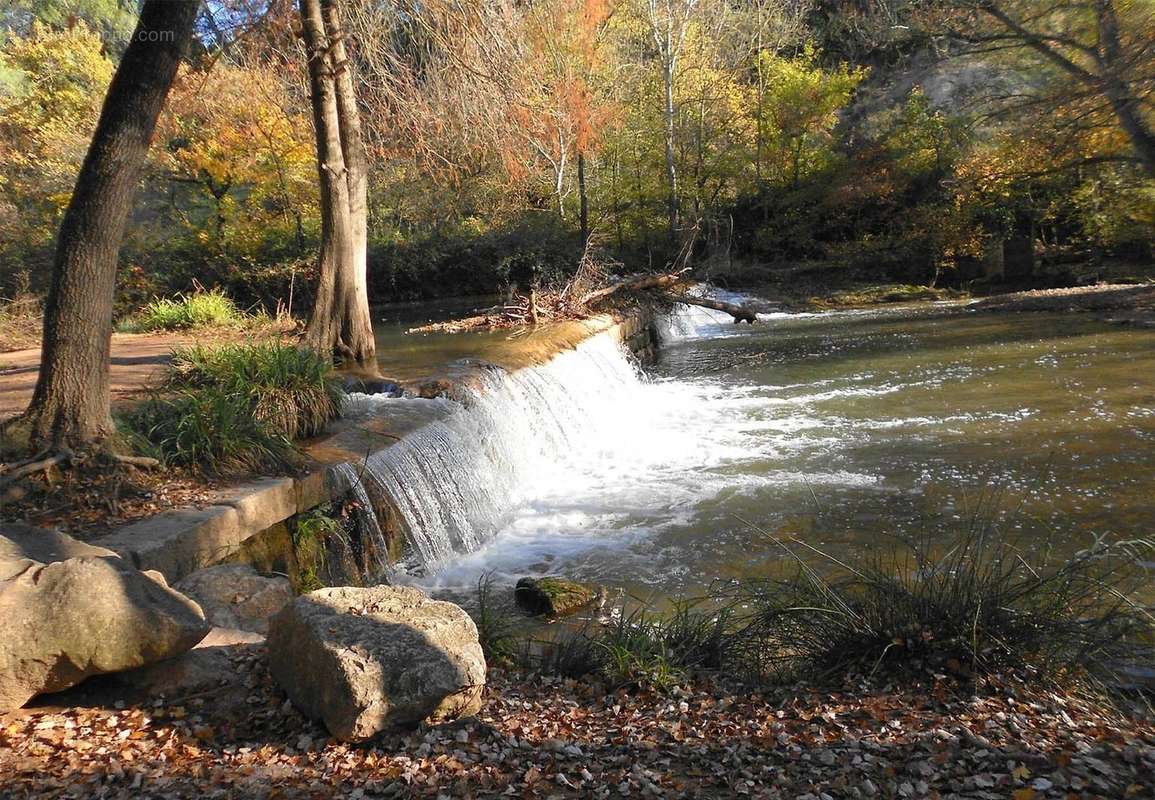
(327, 526)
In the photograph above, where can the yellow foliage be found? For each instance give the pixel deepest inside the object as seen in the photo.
(49, 103)
(234, 133)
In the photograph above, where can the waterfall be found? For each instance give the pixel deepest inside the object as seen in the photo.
(454, 480)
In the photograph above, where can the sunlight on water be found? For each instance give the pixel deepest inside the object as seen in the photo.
(842, 428)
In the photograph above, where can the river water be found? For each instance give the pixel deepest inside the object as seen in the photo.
(843, 429)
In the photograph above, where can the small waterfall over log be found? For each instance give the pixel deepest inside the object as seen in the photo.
(455, 480)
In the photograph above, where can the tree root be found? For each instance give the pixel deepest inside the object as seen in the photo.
(6, 468)
(32, 467)
(140, 462)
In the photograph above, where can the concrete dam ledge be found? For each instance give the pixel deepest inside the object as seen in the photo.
(245, 523)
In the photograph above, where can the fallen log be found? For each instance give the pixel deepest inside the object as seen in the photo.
(739, 313)
(642, 283)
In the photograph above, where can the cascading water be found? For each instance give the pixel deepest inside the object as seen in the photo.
(347, 482)
(454, 481)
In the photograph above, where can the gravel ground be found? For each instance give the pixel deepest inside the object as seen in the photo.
(542, 738)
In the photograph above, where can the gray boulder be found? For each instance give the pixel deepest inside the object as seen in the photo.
(235, 596)
(365, 660)
(81, 611)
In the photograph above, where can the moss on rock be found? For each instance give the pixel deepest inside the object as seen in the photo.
(553, 597)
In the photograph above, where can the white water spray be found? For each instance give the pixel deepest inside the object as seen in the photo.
(456, 480)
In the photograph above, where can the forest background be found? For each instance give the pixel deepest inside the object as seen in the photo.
(928, 142)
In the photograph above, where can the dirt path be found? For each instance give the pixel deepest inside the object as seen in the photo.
(136, 360)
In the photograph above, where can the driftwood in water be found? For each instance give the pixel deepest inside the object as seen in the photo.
(671, 287)
(638, 284)
(739, 313)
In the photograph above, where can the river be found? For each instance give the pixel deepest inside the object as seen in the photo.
(846, 430)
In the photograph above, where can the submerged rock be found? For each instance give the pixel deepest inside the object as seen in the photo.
(434, 388)
(554, 597)
(81, 611)
(360, 385)
(235, 596)
(365, 660)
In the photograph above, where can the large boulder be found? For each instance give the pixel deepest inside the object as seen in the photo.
(235, 596)
(82, 611)
(365, 660)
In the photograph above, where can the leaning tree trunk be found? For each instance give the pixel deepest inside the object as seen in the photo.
(340, 323)
(70, 407)
(1127, 106)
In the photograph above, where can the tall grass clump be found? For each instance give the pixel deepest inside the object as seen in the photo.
(212, 431)
(496, 619)
(643, 648)
(238, 408)
(202, 308)
(976, 605)
(289, 389)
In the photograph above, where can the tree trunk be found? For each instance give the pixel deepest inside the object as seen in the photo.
(71, 406)
(671, 166)
(1123, 101)
(340, 323)
(583, 199)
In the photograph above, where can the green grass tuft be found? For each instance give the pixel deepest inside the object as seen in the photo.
(212, 431)
(237, 408)
(202, 308)
(496, 620)
(289, 389)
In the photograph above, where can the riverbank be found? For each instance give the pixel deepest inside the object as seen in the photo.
(1119, 302)
(545, 737)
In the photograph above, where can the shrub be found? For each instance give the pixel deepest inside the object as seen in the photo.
(237, 408)
(21, 319)
(532, 250)
(288, 389)
(211, 430)
(199, 309)
(973, 606)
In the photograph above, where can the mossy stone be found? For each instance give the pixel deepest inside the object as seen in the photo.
(553, 597)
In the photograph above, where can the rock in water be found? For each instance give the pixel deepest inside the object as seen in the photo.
(553, 597)
(365, 660)
(85, 612)
(234, 596)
